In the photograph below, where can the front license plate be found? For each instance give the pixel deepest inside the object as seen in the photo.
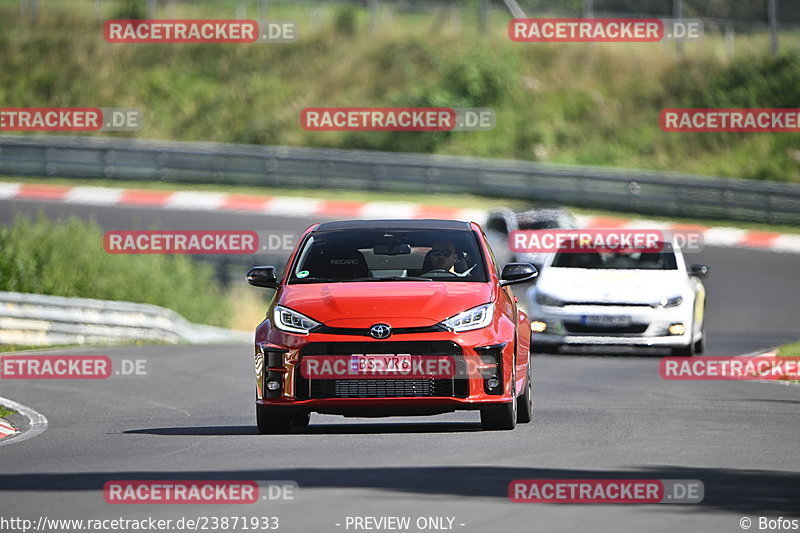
(606, 320)
(381, 363)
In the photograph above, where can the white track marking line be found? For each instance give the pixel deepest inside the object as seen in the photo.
(6, 430)
(9, 190)
(786, 243)
(723, 236)
(391, 210)
(291, 206)
(473, 215)
(204, 201)
(37, 422)
(94, 195)
(641, 223)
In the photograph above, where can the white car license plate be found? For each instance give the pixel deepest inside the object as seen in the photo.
(380, 363)
(607, 320)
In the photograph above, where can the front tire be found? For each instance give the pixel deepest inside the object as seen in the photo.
(300, 420)
(501, 418)
(270, 422)
(685, 351)
(539, 347)
(525, 402)
(700, 345)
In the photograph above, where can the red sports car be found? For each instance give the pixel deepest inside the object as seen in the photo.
(392, 317)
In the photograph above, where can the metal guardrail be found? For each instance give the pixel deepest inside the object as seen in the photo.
(654, 193)
(39, 320)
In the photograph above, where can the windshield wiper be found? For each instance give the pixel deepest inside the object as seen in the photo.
(310, 280)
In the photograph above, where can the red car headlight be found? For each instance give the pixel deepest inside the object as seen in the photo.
(475, 318)
(289, 320)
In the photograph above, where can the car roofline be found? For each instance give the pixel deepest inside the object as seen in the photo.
(396, 224)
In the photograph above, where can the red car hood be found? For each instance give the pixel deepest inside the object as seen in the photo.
(399, 304)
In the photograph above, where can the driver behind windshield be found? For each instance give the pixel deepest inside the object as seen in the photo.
(443, 255)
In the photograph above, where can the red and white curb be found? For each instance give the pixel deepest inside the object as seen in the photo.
(37, 423)
(6, 429)
(250, 203)
(315, 207)
(770, 353)
(712, 236)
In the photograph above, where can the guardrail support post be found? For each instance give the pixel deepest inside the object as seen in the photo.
(773, 27)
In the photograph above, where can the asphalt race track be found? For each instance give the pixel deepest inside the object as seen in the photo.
(595, 416)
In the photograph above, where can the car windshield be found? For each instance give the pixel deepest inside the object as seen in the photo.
(539, 219)
(550, 223)
(662, 260)
(389, 255)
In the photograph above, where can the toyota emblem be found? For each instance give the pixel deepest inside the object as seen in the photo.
(380, 331)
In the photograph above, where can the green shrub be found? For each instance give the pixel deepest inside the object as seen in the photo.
(67, 258)
(345, 20)
(131, 9)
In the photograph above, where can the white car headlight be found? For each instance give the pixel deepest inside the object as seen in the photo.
(675, 301)
(545, 299)
(288, 320)
(475, 318)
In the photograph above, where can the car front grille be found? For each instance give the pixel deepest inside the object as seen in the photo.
(307, 388)
(365, 332)
(632, 329)
(380, 388)
(609, 304)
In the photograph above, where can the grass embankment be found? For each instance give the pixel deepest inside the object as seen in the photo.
(571, 103)
(4, 412)
(67, 258)
(790, 350)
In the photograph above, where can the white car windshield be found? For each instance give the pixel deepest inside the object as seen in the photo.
(661, 260)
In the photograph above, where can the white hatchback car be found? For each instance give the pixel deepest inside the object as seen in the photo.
(636, 299)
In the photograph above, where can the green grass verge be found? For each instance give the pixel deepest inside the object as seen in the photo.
(18, 348)
(789, 350)
(4, 412)
(22, 349)
(572, 103)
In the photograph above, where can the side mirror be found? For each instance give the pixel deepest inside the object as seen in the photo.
(518, 273)
(263, 276)
(699, 271)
